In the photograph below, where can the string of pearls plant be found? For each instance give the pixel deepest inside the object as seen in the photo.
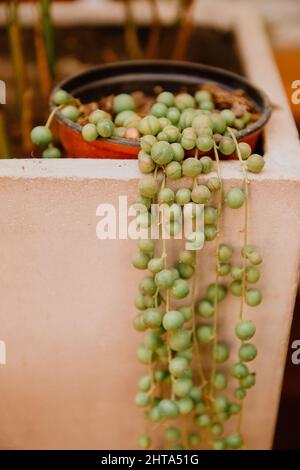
(180, 385)
(183, 392)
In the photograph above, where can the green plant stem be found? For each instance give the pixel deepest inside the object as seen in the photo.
(151, 374)
(46, 20)
(167, 302)
(219, 221)
(245, 230)
(194, 326)
(193, 306)
(245, 243)
(164, 255)
(170, 356)
(164, 250)
(153, 383)
(156, 298)
(27, 119)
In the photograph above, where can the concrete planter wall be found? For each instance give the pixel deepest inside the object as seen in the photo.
(66, 297)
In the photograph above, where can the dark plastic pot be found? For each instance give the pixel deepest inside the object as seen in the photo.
(145, 75)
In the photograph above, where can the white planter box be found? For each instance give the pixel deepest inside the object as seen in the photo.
(66, 297)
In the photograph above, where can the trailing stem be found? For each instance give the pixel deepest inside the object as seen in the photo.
(218, 237)
(193, 306)
(52, 114)
(245, 229)
(245, 243)
(167, 305)
(194, 326)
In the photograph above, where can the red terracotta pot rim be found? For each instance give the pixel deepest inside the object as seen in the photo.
(118, 69)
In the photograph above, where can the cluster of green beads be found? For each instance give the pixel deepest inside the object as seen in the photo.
(174, 327)
(122, 122)
(177, 385)
(169, 391)
(41, 136)
(173, 387)
(184, 121)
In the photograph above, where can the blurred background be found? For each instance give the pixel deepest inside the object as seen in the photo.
(43, 41)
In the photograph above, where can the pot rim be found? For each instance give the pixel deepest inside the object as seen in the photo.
(257, 126)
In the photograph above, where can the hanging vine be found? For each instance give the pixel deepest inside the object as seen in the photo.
(183, 350)
(180, 343)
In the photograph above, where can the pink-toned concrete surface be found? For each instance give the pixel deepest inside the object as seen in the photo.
(66, 310)
(66, 297)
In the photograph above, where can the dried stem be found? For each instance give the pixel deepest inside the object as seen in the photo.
(215, 320)
(131, 35)
(4, 146)
(42, 63)
(47, 27)
(18, 60)
(27, 119)
(245, 243)
(153, 41)
(184, 33)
